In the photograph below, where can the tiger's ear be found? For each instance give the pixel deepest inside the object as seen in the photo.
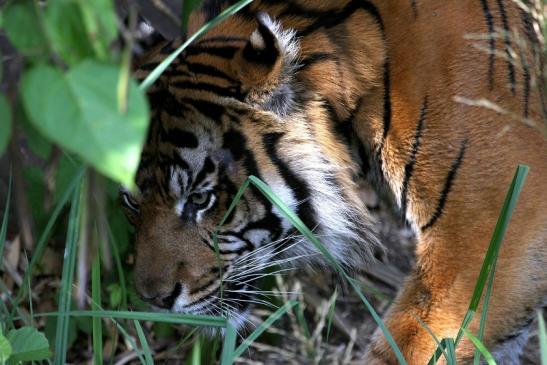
(262, 64)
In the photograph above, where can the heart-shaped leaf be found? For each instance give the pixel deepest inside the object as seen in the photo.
(79, 111)
(21, 23)
(27, 345)
(5, 349)
(67, 32)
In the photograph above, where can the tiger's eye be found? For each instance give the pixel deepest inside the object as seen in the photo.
(199, 198)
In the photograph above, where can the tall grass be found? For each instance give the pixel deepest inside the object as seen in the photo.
(230, 353)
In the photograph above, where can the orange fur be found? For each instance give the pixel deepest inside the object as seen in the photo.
(447, 164)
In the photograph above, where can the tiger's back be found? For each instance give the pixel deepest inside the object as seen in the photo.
(438, 101)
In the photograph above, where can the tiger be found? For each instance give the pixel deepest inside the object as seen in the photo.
(435, 103)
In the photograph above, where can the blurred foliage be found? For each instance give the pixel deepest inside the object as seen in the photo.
(69, 89)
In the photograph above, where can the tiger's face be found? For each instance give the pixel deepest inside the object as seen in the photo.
(224, 111)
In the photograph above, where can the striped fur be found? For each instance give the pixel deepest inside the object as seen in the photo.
(309, 95)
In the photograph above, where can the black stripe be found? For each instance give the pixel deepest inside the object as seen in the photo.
(414, 7)
(149, 66)
(293, 9)
(248, 244)
(201, 69)
(205, 286)
(299, 187)
(535, 44)
(387, 102)
(176, 159)
(211, 8)
(529, 31)
(227, 92)
(507, 41)
(179, 138)
(236, 143)
(527, 79)
(447, 185)
(491, 42)
(409, 167)
(164, 101)
(207, 108)
(316, 58)
(227, 52)
(207, 168)
(220, 38)
(329, 20)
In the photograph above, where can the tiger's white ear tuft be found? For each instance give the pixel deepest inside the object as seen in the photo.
(267, 62)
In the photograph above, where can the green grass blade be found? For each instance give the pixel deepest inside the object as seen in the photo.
(22, 315)
(542, 338)
(95, 305)
(330, 314)
(301, 227)
(67, 277)
(4, 228)
(228, 354)
(144, 343)
(499, 232)
(175, 318)
(493, 250)
(450, 351)
(264, 326)
(480, 347)
(119, 267)
(302, 320)
(232, 206)
(432, 335)
(41, 245)
(156, 73)
(484, 312)
(196, 352)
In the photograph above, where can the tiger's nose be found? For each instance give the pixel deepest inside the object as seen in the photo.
(160, 298)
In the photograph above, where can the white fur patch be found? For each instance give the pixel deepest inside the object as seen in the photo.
(257, 41)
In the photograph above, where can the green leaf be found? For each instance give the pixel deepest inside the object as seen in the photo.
(51, 328)
(5, 349)
(100, 21)
(78, 110)
(28, 345)
(67, 31)
(22, 25)
(115, 295)
(5, 124)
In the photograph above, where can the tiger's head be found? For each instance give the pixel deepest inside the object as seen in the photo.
(230, 107)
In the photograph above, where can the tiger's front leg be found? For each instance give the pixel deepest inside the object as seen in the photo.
(438, 292)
